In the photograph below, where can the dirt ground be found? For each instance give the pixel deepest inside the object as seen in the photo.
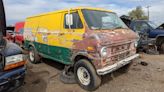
(44, 77)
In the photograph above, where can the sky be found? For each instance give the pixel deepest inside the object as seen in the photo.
(19, 10)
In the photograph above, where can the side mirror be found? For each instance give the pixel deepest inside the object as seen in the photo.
(69, 19)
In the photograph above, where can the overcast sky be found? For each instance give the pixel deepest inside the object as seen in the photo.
(18, 10)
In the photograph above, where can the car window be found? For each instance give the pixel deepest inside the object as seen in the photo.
(141, 26)
(77, 24)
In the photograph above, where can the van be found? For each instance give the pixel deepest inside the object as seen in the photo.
(92, 41)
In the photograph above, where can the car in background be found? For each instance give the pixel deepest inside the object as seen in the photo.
(12, 67)
(10, 34)
(19, 29)
(12, 59)
(151, 36)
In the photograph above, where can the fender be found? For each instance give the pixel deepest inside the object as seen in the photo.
(81, 53)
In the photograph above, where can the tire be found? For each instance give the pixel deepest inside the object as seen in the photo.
(34, 56)
(162, 48)
(92, 81)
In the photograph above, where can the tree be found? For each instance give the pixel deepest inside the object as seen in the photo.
(138, 14)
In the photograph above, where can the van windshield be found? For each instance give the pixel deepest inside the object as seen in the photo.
(102, 20)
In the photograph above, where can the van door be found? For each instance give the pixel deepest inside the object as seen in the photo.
(70, 35)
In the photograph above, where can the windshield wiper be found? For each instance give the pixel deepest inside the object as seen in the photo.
(119, 27)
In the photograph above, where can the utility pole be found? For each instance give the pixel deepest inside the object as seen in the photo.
(148, 12)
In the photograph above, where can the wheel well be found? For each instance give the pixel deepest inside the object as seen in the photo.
(29, 46)
(78, 57)
(159, 40)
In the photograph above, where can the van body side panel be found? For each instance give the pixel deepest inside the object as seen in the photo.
(30, 32)
(57, 53)
(46, 37)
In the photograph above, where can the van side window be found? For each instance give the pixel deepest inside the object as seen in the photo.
(77, 24)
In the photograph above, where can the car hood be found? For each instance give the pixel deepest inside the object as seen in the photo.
(162, 30)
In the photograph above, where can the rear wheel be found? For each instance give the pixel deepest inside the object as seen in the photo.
(34, 56)
(86, 75)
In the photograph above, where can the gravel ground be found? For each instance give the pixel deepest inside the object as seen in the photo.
(44, 77)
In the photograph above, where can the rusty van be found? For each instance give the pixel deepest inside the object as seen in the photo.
(92, 41)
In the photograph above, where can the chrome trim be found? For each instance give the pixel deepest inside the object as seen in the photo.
(117, 65)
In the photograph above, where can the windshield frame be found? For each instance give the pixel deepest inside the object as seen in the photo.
(121, 26)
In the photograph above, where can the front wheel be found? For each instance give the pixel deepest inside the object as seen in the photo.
(86, 75)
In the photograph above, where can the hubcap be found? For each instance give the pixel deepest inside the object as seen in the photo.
(83, 76)
(31, 55)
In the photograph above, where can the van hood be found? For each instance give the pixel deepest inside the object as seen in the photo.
(99, 38)
(115, 36)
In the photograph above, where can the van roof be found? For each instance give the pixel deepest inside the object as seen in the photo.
(77, 8)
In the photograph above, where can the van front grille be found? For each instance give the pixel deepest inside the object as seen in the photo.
(118, 53)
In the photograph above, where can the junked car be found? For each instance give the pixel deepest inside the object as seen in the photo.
(151, 36)
(90, 41)
(12, 59)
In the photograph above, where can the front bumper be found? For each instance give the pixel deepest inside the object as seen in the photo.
(11, 80)
(117, 65)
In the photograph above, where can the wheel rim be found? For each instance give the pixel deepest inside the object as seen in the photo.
(83, 76)
(31, 55)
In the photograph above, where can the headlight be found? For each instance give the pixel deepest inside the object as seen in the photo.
(103, 52)
(14, 61)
